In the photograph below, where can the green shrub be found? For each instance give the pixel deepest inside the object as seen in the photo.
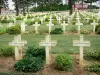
(85, 32)
(29, 22)
(14, 29)
(93, 68)
(92, 55)
(33, 60)
(47, 19)
(73, 29)
(6, 21)
(37, 20)
(19, 18)
(64, 62)
(29, 64)
(97, 29)
(30, 16)
(55, 22)
(57, 31)
(2, 30)
(35, 52)
(6, 51)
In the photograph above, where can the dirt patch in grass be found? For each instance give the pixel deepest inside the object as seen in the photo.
(6, 64)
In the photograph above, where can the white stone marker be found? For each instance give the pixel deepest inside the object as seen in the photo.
(18, 43)
(50, 19)
(94, 25)
(36, 25)
(14, 20)
(81, 43)
(59, 19)
(79, 26)
(64, 26)
(23, 27)
(50, 26)
(78, 19)
(48, 44)
(41, 20)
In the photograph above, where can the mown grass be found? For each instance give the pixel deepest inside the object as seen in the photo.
(64, 42)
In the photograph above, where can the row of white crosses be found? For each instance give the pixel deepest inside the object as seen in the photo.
(93, 23)
(18, 43)
(79, 24)
(36, 25)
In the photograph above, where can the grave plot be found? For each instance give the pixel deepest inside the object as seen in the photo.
(50, 43)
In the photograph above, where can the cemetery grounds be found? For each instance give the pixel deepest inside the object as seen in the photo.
(64, 41)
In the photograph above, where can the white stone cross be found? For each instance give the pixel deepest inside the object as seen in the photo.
(23, 27)
(64, 26)
(79, 26)
(48, 44)
(41, 20)
(50, 19)
(18, 43)
(59, 19)
(94, 25)
(78, 19)
(92, 15)
(50, 26)
(36, 25)
(14, 20)
(81, 43)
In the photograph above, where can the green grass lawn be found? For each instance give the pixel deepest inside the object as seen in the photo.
(64, 42)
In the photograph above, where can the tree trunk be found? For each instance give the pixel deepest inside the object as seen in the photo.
(82, 4)
(91, 5)
(74, 6)
(0, 10)
(24, 14)
(16, 8)
(27, 9)
(70, 4)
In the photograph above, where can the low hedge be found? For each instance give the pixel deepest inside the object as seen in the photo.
(92, 55)
(57, 31)
(33, 60)
(93, 68)
(64, 62)
(6, 51)
(14, 29)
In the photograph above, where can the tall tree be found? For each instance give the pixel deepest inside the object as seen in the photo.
(23, 5)
(90, 1)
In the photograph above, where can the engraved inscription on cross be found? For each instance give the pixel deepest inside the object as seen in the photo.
(36, 25)
(64, 26)
(18, 43)
(94, 25)
(48, 44)
(81, 43)
(79, 26)
(50, 26)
